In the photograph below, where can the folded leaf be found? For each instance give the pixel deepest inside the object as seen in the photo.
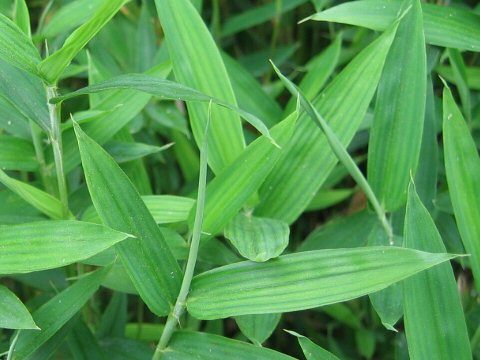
(13, 314)
(434, 322)
(16, 48)
(53, 66)
(303, 280)
(48, 244)
(203, 346)
(188, 38)
(396, 133)
(52, 315)
(257, 239)
(306, 161)
(462, 164)
(445, 26)
(148, 261)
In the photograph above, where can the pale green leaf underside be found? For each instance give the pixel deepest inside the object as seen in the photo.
(48, 244)
(303, 280)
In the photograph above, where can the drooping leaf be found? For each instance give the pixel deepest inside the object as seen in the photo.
(188, 38)
(203, 346)
(149, 261)
(258, 328)
(53, 66)
(462, 164)
(48, 244)
(434, 321)
(16, 48)
(396, 133)
(257, 239)
(13, 314)
(303, 280)
(166, 89)
(306, 163)
(52, 315)
(445, 26)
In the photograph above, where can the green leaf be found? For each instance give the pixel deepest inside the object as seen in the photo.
(258, 328)
(53, 66)
(434, 321)
(123, 151)
(82, 344)
(149, 261)
(257, 239)
(48, 244)
(311, 350)
(234, 186)
(396, 133)
(462, 164)
(22, 17)
(306, 161)
(13, 314)
(445, 26)
(460, 74)
(303, 280)
(326, 198)
(17, 154)
(188, 38)
(473, 75)
(46, 203)
(165, 209)
(167, 90)
(52, 315)
(203, 346)
(16, 48)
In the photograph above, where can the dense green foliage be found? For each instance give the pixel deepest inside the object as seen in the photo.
(166, 192)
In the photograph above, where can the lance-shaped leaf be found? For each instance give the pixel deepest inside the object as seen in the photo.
(306, 161)
(311, 350)
(188, 38)
(434, 321)
(257, 239)
(148, 261)
(13, 314)
(55, 313)
(396, 133)
(53, 66)
(17, 154)
(22, 17)
(166, 89)
(444, 25)
(48, 244)
(16, 48)
(203, 346)
(462, 165)
(46, 203)
(460, 74)
(258, 328)
(303, 280)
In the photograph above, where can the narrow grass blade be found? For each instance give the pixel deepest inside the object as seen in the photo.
(311, 350)
(16, 48)
(188, 38)
(326, 198)
(17, 154)
(396, 133)
(22, 17)
(319, 69)
(339, 150)
(234, 186)
(39, 199)
(49, 244)
(445, 26)
(166, 89)
(203, 346)
(462, 165)
(460, 74)
(434, 322)
(123, 151)
(13, 314)
(52, 315)
(303, 280)
(257, 239)
(258, 328)
(148, 261)
(53, 66)
(473, 75)
(306, 163)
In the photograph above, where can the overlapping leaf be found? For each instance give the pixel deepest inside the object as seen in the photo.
(13, 314)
